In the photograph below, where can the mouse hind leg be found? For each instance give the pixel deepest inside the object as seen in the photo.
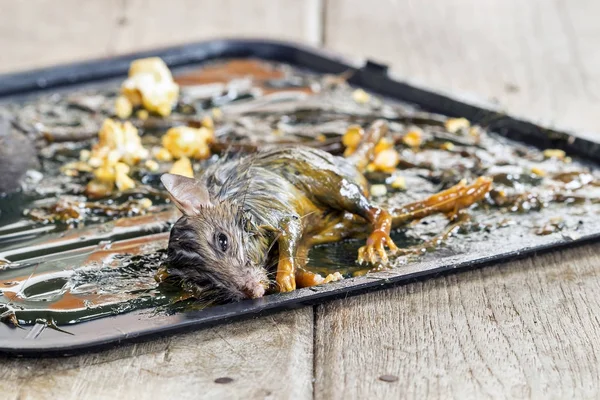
(350, 197)
(449, 202)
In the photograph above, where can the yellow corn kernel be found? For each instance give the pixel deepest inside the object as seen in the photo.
(151, 165)
(399, 183)
(383, 144)
(217, 113)
(378, 190)
(124, 183)
(142, 114)
(182, 167)
(84, 155)
(145, 203)
(208, 122)
(123, 107)
(95, 162)
(105, 174)
(120, 142)
(454, 125)
(184, 141)
(448, 146)
(387, 160)
(412, 138)
(555, 153)
(151, 85)
(475, 131)
(352, 137)
(538, 171)
(163, 155)
(360, 96)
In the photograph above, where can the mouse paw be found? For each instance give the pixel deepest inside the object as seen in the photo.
(374, 250)
(286, 281)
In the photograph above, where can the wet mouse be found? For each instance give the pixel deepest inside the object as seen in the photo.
(249, 219)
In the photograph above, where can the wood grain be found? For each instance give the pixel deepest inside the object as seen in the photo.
(538, 58)
(38, 33)
(527, 329)
(267, 357)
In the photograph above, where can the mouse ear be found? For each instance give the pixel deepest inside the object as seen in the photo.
(188, 194)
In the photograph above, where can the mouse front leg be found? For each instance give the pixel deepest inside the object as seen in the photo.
(288, 240)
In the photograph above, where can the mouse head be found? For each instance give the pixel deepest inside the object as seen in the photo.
(206, 246)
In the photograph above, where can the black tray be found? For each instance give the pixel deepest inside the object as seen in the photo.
(372, 76)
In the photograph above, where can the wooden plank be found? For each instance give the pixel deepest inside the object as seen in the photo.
(43, 32)
(537, 58)
(267, 357)
(527, 329)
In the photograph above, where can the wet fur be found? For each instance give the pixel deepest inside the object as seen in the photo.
(249, 196)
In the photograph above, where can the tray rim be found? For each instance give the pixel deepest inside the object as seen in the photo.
(371, 75)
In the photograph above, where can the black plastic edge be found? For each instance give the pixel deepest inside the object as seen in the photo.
(372, 76)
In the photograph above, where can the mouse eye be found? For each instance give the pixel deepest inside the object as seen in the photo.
(223, 242)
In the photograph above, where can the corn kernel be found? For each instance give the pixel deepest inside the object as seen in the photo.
(448, 146)
(399, 183)
(208, 122)
(217, 113)
(123, 107)
(453, 125)
(182, 167)
(184, 141)
(352, 138)
(123, 181)
(84, 155)
(121, 139)
(360, 96)
(145, 203)
(163, 155)
(387, 160)
(142, 114)
(151, 85)
(95, 162)
(151, 165)
(412, 138)
(105, 174)
(71, 172)
(383, 144)
(475, 131)
(321, 138)
(555, 153)
(378, 190)
(538, 171)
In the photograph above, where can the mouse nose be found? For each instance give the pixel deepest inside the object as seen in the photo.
(254, 291)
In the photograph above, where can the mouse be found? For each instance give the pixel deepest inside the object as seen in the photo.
(248, 221)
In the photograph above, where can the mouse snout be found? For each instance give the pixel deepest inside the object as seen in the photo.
(253, 283)
(254, 290)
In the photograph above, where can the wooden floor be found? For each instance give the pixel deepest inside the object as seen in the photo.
(524, 329)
